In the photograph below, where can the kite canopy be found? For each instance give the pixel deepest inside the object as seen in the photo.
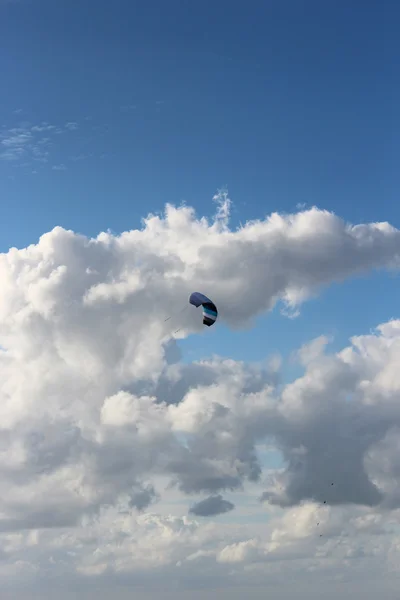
(210, 312)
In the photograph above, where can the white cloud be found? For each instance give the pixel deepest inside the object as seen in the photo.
(26, 144)
(128, 107)
(15, 143)
(79, 157)
(98, 416)
(313, 350)
(43, 127)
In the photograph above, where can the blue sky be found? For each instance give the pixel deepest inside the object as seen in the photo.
(155, 102)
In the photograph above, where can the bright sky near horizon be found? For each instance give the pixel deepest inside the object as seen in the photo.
(249, 152)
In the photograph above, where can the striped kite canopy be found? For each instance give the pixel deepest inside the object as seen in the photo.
(210, 312)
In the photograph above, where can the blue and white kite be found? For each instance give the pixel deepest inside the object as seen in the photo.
(210, 312)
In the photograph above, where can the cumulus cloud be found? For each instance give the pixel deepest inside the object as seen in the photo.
(337, 419)
(96, 408)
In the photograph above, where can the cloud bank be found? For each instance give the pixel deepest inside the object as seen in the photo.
(100, 421)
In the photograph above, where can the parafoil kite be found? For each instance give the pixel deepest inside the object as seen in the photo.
(210, 312)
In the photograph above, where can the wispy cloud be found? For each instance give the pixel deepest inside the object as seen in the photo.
(102, 128)
(40, 150)
(33, 145)
(43, 127)
(15, 143)
(71, 125)
(28, 143)
(128, 107)
(79, 157)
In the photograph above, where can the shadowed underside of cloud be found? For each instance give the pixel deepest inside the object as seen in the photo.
(213, 505)
(95, 406)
